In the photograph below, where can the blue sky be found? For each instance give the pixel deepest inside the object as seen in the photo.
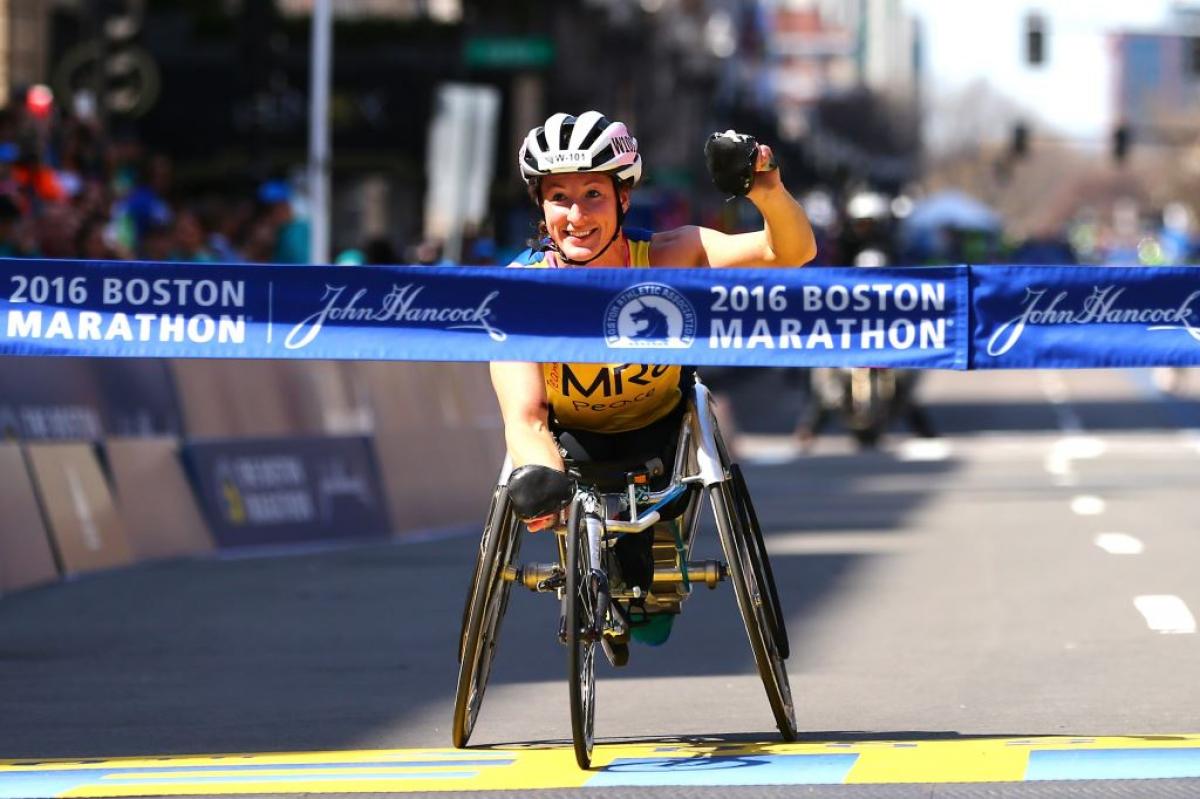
(968, 40)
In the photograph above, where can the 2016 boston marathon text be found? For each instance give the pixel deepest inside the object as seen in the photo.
(858, 331)
(139, 326)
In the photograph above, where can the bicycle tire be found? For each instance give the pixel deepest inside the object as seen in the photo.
(580, 607)
(767, 659)
(486, 603)
(762, 562)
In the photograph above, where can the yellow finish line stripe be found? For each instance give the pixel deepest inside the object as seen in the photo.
(695, 763)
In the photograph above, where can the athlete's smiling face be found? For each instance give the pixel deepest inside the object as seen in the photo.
(581, 215)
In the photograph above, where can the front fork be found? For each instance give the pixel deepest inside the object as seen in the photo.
(599, 577)
(593, 527)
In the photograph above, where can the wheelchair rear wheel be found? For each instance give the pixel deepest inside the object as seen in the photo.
(753, 601)
(581, 611)
(761, 562)
(487, 600)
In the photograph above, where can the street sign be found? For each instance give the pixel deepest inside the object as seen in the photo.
(509, 52)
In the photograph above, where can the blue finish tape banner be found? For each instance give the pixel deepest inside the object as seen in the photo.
(983, 317)
(1081, 316)
(752, 317)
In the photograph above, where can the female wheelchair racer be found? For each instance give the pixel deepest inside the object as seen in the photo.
(586, 437)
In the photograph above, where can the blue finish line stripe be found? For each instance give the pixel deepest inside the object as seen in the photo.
(985, 317)
(1113, 764)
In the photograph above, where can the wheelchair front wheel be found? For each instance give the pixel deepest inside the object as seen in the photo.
(753, 601)
(487, 600)
(580, 611)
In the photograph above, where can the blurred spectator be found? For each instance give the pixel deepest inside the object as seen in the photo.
(351, 257)
(14, 240)
(157, 243)
(223, 219)
(481, 252)
(190, 239)
(380, 251)
(37, 182)
(867, 236)
(291, 235)
(427, 253)
(1043, 251)
(91, 241)
(57, 227)
(147, 205)
(256, 241)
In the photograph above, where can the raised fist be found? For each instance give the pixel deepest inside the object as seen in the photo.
(733, 159)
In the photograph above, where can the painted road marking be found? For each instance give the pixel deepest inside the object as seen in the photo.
(1088, 505)
(1166, 613)
(699, 763)
(924, 450)
(1120, 544)
(1110, 764)
(1059, 462)
(726, 770)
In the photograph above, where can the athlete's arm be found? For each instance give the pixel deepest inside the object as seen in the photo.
(521, 391)
(785, 240)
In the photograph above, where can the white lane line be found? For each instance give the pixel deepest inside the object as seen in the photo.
(847, 542)
(1165, 613)
(1120, 544)
(924, 450)
(1060, 460)
(1088, 505)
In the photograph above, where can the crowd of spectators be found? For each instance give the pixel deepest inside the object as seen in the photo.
(72, 188)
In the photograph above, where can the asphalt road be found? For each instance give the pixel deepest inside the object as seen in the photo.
(1006, 579)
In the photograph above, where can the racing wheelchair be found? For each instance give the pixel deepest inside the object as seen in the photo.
(599, 607)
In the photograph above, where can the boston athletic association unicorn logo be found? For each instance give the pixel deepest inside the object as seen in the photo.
(650, 315)
(652, 323)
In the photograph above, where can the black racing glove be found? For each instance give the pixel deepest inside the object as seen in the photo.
(730, 158)
(539, 491)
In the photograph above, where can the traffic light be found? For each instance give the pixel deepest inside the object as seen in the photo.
(120, 65)
(39, 101)
(1035, 40)
(129, 81)
(1121, 139)
(1019, 146)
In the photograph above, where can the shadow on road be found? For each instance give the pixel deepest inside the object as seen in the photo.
(318, 651)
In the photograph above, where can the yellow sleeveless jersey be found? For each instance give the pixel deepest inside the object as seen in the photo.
(608, 397)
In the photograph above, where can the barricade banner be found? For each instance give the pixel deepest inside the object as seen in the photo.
(1082, 317)
(750, 317)
(273, 491)
(86, 399)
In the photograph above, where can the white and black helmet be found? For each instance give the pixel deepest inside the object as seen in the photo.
(589, 142)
